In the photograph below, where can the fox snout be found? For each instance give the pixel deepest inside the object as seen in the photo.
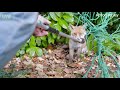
(82, 40)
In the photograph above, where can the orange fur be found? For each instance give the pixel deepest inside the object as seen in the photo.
(77, 32)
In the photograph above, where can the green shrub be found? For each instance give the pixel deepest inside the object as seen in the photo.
(59, 21)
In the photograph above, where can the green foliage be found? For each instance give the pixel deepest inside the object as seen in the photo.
(102, 38)
(32, 42)
(34, 51)
(92, 43)
(103, 25)
(59, 21)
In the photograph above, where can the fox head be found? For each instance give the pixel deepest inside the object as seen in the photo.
(78, 32)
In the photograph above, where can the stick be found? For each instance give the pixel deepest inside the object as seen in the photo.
(47, 28)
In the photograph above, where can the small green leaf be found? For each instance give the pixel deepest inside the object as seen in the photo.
(53, 16)
(49, 35)
(63, 23)
(62, 40)
(31, 51)
(111, 23)
(54, 36)
(32, 42)
(98, 20)
(67, 40)
(17, 54)
(22, 52)
(58, 37)
(43, 38)
(59, 14)
(39, 52)
(68, 18)
(52, 24)
(48, 17)
(82, 55)
(26, 45)
(44, 43)
(52, 40)
(38, 41)
(69, 13)
(49, 40)
(57, 26)
(91, 43)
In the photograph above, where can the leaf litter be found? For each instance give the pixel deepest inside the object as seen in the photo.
(55, 64)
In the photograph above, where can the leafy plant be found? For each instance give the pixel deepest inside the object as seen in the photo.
(59, 21)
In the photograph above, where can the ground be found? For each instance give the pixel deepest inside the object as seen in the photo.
(54, 64)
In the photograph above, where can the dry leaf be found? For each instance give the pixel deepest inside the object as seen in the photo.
(73, 65)
(29, 62)
(39, 67)
(40, 58)
(67, 70)
(42, 75)
(67, 75)
(26, 57)
(57, 61)
(49, 51)
(51, 73)
(65, 47)
(59, 69)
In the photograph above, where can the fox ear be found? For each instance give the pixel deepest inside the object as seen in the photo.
(71, 27)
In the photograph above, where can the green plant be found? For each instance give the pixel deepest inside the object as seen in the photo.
(59, 21)
(103, 36)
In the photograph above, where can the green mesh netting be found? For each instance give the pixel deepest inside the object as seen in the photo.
(99, 30)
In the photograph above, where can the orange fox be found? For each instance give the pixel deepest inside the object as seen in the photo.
(77, 32)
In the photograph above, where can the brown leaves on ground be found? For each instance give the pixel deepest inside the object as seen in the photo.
(55, 64)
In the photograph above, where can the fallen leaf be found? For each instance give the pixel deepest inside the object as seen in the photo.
(65, 47)
(49, 51)
(73, 65)
(29, 62)
(67, 70)
(26, 57)
(40, 58)
(39, 67)
(50, 47)
(59, 69)
(80, 71)
(42, 75)
(51, 73)
(69, 76)
(57, 61)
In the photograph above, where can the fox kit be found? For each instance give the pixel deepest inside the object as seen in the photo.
(77, 32)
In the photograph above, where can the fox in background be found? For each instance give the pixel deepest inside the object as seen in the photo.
(77, 32)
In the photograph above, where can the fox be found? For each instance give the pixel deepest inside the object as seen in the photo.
(77, 32)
